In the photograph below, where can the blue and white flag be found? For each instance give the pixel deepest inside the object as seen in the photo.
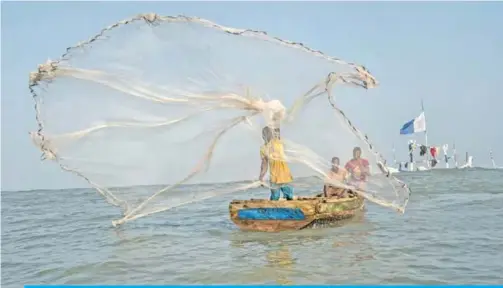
(415, 125)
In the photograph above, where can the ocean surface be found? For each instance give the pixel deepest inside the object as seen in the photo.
(451, 233)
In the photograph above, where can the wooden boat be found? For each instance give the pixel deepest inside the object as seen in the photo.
(304, 212)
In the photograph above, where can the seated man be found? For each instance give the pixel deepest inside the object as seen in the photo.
(273, 158)
(358, 169)
(339, 174)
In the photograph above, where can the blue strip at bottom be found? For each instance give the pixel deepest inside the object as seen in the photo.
(271, 214)
(270, 286)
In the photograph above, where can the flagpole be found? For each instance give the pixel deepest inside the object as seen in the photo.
(455, 155)
(425, 136)
(426, 129)
(492, 159)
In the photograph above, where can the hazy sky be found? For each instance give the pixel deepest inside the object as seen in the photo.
(449, 54)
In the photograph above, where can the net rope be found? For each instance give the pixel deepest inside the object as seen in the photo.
(102, 111)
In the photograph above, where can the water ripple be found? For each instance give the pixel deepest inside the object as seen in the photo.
(451, 234)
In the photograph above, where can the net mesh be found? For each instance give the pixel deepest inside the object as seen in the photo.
(153, 104)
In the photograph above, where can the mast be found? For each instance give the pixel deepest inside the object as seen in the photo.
(445, 147)
(426, 130)
(455, 155)
(425, 136)
(492, 159)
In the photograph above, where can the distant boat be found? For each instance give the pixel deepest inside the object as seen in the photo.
(468, 163)
(492, 160)
(392, 170)
(429, 153)
(416, 166)
(412, 166)
(414, 126)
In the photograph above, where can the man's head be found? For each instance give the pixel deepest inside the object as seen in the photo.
(357, 152)
(335, 162)
(266, 134)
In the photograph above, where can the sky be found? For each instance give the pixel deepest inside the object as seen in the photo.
(447, 54)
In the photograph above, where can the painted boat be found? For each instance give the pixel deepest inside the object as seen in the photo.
(304, 212)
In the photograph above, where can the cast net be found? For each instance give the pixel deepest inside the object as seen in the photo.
(155, 112)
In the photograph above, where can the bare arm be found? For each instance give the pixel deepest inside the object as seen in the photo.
(263, 168)
(346, 176)
(366, 168)
(366, 171)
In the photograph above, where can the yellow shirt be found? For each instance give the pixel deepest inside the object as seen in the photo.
(278, 168)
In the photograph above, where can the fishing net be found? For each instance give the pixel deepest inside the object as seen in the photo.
(152, 106)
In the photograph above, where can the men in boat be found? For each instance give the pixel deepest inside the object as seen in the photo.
(358, 169)
(338, 174)
(273, 158)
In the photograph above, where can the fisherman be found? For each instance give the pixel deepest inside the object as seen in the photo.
(358, 168)
(273, 158)
(338, 174)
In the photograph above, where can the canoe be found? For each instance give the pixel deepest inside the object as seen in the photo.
(304, 212)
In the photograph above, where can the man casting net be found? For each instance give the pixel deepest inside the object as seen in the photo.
(152, 105)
